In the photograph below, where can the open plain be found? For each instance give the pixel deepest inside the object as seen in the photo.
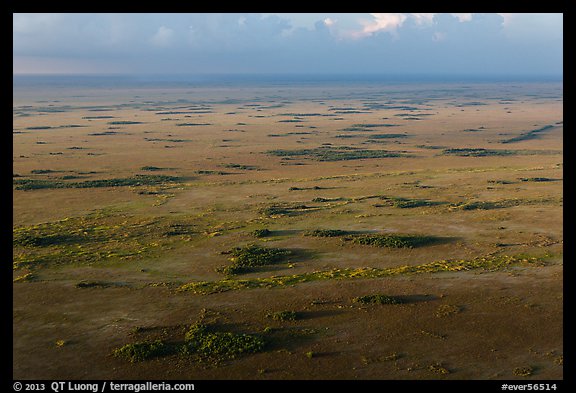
(288, 231)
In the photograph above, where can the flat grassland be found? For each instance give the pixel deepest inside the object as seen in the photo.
(348, 231)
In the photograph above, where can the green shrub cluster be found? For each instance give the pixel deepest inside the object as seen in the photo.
(119, 122)
(201, 340)
(481, 152)
(244, 259)
(261, 232)
(283, 210)
(378, 299)
(141, 351)
(137, 180)
(394, 241)
(283, 315)
(341, 153)
(326, 233)
(406, 203)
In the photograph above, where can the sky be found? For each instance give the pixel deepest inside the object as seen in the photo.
(379, 43)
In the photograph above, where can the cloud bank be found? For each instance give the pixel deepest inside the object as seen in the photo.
(419, 43)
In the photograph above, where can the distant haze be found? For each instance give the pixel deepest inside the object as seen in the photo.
(451, 45)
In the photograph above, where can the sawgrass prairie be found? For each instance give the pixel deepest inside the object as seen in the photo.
(335, 230)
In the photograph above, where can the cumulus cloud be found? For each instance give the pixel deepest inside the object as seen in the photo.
(423, 18)
(381, 22)
(329, 21)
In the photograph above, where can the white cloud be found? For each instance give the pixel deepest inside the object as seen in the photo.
(329, 22)
(382, 22)
(463, 17)
(423, 18)
(163, 36)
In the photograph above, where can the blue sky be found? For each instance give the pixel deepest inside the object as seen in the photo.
(378, 43)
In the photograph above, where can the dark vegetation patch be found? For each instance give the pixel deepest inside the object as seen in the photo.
(432, 147)
(471, 103)
(378, 299)
(152, 168)
(175, 140)
(261, 232)
(388, 136)
(538, 179)
(104, 133)
(529, 135)
(524, 371)
(486, 205)
(309, 188)
(141, 351)
(93, 284)
(283, 316)
(326, 233)
(241, 166)
(406, 203)
(479, 152)
(176, 229)
(377, 105)
(184, 112)
(245, 259)
(501, 182)
(137, 180)
(123, 122)
(285, 210)
(97, 117)
(202, 343)
(394, 240)
(372, 136)
(350, 112)
(290, 121)
(342, 153)
(303, 114)
(207, 343)
(54, 127)
(42, 171)
(367, 127)
(321, 200)
(211, 172)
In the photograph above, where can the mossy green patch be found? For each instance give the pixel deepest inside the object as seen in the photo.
(394, 240)
(286, 315)
(137, 180)
(481, 152)
(261, 232)
(341, 153)
(207, 343)
(406, 203)
(244, 259)
(326, 233)
(141, 351)
(378, 299)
